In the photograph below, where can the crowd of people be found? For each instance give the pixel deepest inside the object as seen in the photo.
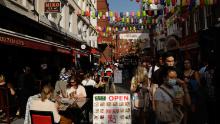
(71, 84)
(162, 92)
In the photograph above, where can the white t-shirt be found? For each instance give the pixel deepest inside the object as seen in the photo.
(79, 91)
(47, 105)
(150, 71)
(89, 82)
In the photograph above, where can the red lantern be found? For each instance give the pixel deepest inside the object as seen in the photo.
(173, 2)
(137, 1)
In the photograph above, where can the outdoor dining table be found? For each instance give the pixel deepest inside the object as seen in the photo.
(75, 109)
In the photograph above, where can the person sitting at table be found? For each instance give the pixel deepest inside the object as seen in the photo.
(3, 99)
(44, 104)
(75, 89)
(88, 81)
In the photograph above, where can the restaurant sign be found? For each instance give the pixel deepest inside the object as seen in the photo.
(111, 109)
(52, 7)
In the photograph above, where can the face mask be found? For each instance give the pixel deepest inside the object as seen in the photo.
(171, 82)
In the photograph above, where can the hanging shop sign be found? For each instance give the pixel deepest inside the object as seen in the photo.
(111, 109)
(134, 36)
(52, 7)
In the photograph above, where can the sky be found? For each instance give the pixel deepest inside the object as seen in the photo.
(123, 5)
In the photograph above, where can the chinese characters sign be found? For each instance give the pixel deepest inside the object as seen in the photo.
(111, 109)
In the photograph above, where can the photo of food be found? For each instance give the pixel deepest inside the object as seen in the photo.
(109, 103)
(121, 103)
(96, 110)
(127, 110)
(95, 117)
(127, 116)
(127, 103)
(102, 116)
(96, 104)
(121, 110)
(122, 116)
(115, 103)
(102, 104)
(102, 110)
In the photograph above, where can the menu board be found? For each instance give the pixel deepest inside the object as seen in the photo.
(111, 109)
(118, 76)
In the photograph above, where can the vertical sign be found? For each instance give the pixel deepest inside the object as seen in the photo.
(52, 7)
(111, 109)
(118, 76)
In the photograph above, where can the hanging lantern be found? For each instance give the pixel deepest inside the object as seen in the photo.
(127, 20)
(123, 29)
(93, 15)
(132, 13)
(183, 2)
(106, 14)
(116, 29)
(134, 28)
(173, 2)
(178, 2)
(150, 13)
(156, 2)
(121, 14)
(202, 3)
(211, 2)
(168, 2)
(162, 2)
(100, 14)
(144, 13)
(155, 12)
(206, 2)
(111, 14)
(88, 13)
(123, 19)
(116, 14)
(140, 21)
(113, 19)
(96, 13)
(127, 14)
(137, 1)
(132, 20)
(103, 17)
(138, 14)
(149, 20)
(82, 13)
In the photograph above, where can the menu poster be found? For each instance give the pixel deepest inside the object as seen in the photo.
(111, 109)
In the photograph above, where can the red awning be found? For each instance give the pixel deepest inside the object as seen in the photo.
(30, 42)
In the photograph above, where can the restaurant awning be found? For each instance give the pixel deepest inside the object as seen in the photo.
(21, 40)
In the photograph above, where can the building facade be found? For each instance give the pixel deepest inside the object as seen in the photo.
(40, 36)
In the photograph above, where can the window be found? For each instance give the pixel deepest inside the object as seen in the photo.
(71, 12)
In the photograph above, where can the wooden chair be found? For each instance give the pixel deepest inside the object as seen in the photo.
(4, 103)
(41, 117)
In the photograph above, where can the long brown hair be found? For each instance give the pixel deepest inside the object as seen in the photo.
(47, 90)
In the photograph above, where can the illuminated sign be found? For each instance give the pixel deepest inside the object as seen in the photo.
(52, 7)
